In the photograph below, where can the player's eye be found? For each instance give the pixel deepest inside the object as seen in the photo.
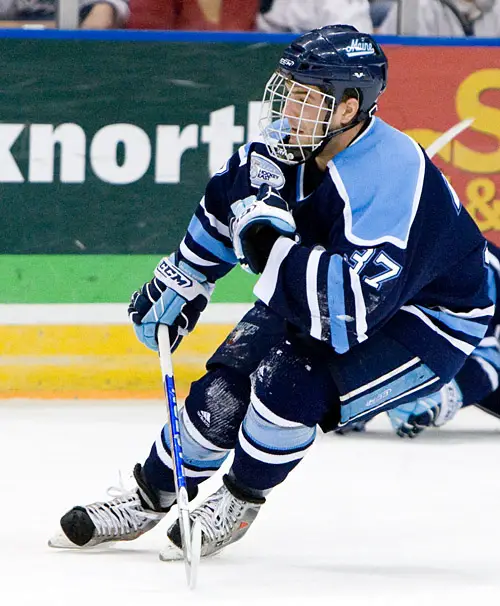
(298, 95)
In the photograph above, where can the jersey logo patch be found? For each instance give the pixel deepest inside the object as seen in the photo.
(263, 170)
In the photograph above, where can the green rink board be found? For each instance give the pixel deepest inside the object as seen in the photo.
(95, 279)
(99, 157)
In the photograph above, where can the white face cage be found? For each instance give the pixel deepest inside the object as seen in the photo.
(295, 119)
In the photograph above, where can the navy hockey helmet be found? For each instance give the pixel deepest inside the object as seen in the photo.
(333, 59)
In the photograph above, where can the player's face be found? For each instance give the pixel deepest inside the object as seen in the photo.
(295, 118)
(307, 111)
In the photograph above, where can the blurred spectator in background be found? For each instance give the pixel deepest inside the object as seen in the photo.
(451, 18)
(103, 15)
(304, 15)
(379, 10)
(217, 15)
(94, 14)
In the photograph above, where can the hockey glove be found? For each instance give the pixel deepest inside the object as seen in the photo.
(408, 420)
(255, 224)
(176, 296)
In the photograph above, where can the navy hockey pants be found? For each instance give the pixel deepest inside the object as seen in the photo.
(267, 388)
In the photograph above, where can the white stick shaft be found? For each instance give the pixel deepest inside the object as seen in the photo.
(176, 453)
(443, 140)
(164, 347)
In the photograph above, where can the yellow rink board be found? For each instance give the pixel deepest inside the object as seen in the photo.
(95, 361)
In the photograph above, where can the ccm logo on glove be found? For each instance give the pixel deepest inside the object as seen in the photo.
(176, 296)
(166, 272)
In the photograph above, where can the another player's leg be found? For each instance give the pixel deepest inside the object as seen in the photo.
(292, 390)
(481, 383)
(475, 384)
(435, 410)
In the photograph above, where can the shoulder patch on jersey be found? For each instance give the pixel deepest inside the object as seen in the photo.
(263, 170)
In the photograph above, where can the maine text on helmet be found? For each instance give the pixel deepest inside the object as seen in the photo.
(357, 48)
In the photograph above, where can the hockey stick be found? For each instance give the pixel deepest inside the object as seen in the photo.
(443, 140)
(190, 536)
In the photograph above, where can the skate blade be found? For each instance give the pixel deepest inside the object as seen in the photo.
(171, 553)
(193, 565)
(61, 541)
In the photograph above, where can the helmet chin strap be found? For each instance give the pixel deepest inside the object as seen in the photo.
(334, 133)
(361, 117)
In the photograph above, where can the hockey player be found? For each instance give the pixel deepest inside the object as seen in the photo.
(475, 384)
(372, 292)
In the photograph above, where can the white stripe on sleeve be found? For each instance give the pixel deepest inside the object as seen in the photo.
(266, 284)
(493, 261)
(194, 258)
(312, 291)
(360, 307)
(489, 371)
(461, 345)
(473, 313)
(214, 222)
(489, 342)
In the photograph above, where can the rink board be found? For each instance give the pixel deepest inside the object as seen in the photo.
(94, 361)
(64, 353)
(103, 167)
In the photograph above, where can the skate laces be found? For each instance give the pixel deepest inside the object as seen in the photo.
(120, 516)
(218, 514)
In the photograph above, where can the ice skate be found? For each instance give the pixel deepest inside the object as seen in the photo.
(123, 518)
(223, 517)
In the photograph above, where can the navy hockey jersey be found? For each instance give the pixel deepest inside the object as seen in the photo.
(385, 245)
(480, 375)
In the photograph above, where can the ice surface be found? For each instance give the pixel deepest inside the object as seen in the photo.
(365, 519)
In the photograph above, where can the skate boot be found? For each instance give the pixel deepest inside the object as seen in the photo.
(123, 518)
(224, 518)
